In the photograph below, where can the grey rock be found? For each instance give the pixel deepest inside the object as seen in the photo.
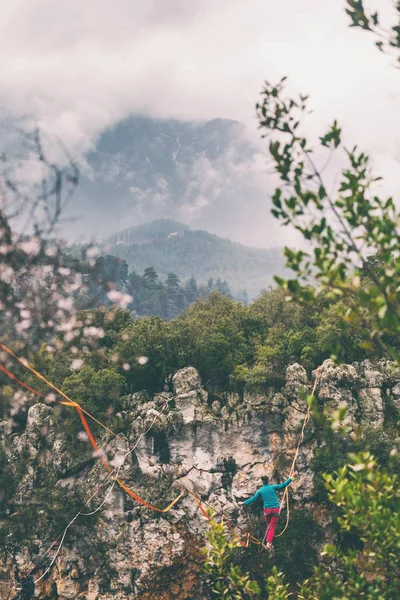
(396, 390)
(371, 376)
(186, 380)
(371, 407)
(337, 375)
(396, 396)
(219, 453)
(254, 399)
(39, 414)
(216, 406)
(135, 401)
(296, 375)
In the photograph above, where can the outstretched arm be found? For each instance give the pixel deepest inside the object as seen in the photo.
(250, 500)
(281, 486)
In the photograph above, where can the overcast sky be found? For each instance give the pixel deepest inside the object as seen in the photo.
(78, 66)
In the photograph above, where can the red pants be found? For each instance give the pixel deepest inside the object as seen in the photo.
(271, 516)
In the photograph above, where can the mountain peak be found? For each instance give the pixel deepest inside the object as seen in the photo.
(172, 247)
(148, 232)
(144, 168)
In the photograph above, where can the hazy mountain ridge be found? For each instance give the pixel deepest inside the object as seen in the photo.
(148, 232)
(204, 173)
(209, 174)
(170, 246)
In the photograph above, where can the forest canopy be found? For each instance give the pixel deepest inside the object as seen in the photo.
(233, 346)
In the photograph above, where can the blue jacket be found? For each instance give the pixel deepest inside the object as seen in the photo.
(268, 494)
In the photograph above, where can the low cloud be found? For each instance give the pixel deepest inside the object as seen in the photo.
(78, 67)
(75, 68)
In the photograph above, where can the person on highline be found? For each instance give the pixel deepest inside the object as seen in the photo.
(271, 504)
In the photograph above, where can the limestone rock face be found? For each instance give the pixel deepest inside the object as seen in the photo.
(217, 450)
(396, 396)
(39, 415)
(336, 384)
(296, 378)
(189, 395)
(293, 396)
(186, 380)
(371, 407)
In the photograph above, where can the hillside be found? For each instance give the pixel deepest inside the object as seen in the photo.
(210, 174)
(206, 173)
(170, 246)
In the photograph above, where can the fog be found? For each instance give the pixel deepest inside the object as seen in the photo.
(75, 69)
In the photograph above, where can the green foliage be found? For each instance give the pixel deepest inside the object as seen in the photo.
(96, 391)
(334, 446)
(228, 582)
(329, 456)
(217, 338)
(387, 39)
(295, 555)
(150, 295)
(276, 586)
(287, 332)
(110, 269)
(369, 501)
(151, 338)
(232, 346)
(201, 255)
(296, 551)
(338, 227)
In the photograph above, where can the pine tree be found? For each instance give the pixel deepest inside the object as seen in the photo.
(150, 276)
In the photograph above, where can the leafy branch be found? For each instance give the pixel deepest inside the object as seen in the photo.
(341, 230)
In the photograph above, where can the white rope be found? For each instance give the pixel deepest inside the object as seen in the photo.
(80, 513)
(55, 556)
(105, 499)
(123, 459)
(296, 455)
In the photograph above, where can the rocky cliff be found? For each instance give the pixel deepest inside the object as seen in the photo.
(216, 447)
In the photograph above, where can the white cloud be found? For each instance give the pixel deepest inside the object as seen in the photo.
(77, 67)
(80, 66)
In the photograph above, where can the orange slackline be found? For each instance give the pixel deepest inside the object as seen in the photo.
(95, 446)
(79, 513)
(40, 376)
(85, 424)
(229, 522)
(81, 411)
(11, 376)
